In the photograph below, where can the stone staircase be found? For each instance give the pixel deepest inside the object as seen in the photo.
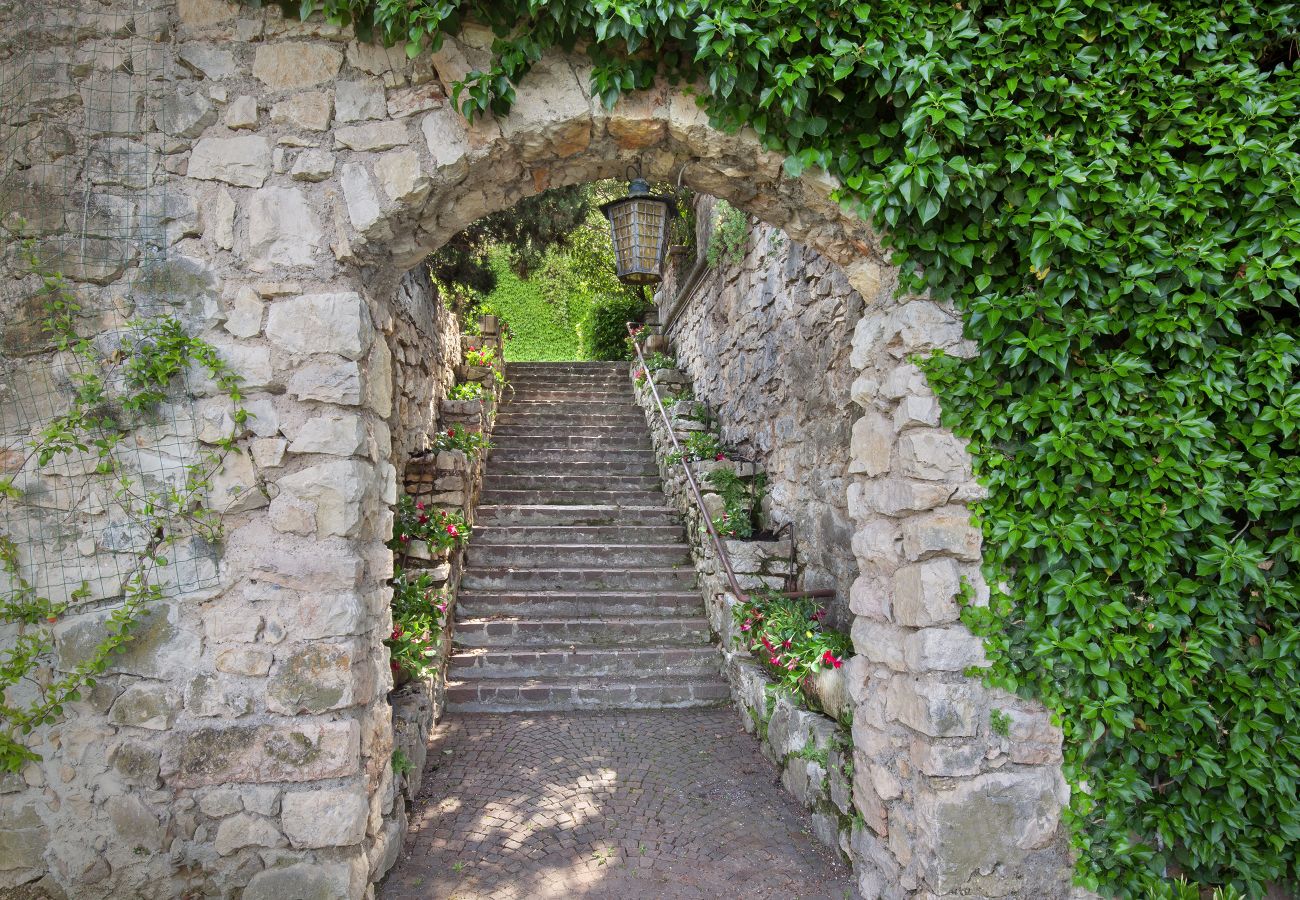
(578, 591)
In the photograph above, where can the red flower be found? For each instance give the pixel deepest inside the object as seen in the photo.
(767, 644)
(786, 643)
(830, 659)
(419, 504)
(405, 539)
(393, 664)
(397, 632)
(720, 457)
(424, 520)
(451, 530)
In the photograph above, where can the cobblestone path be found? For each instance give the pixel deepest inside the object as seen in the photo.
(669, 805)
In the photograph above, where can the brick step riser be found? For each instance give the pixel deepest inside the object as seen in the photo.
(542, 556)
(492, 535)
(502, 497)
(507, 635)
(674, 580)
(582, 662)
(588, 699)
(575, 516)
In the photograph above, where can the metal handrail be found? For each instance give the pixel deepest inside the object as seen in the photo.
(718, 546)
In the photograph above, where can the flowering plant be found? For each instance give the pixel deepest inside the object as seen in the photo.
(699, 445)
(441, 529)
(790, 638)
(419, 611)
(640, 377)
(659, 360)
(458, 437)
(470, 390)
(480, 356)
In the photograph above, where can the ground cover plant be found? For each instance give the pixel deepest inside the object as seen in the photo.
(1107, 190)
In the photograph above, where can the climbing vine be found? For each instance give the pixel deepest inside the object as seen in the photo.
(113, 391)
(1108, 192)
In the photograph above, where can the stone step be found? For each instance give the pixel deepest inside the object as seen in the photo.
(510, 632)
(582, 364)
(579, 580)
(536, 481)
(568, 556)
(504, 497)
(531, 662)
(563, 457)
(622, 386)
(480, 604)
(570, 395)
(523, 438)
(578, 514)
(627, 533)
(588, 464)
(564, 693)
(510, 416)
(547, 408)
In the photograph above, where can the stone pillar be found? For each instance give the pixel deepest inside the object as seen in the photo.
(951, 806)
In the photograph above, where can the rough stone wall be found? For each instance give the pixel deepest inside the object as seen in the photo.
(242, 746)
(425, 343)
(766, 342)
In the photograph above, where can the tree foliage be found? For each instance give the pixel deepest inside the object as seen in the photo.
(1107, 189)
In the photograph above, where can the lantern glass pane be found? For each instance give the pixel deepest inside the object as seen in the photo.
(639, 229)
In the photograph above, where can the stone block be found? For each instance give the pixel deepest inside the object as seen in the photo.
(234, 487)
(372, 136)
(310, 111)
(328, 381)
(337, 489)
(952, 649)
(310, 881)
(312, 165)
(881, 643)
(208, 61)
(146, 704)
(244, 830)
(355, 101)
(242, 112)
(331, 817)
(945, 531)
(312, 679)
(894, 496)
(220, 802)
(947, 759)
(321, 323)
(244, 318)
(248, 661)
(185, 113)
(268, 453)
(336, 434)
(925, 594)
(159, 648)
(985, 823)
(933, 454)
(916, 410)
(364, 210)
(282, 229)
(933, 707)
(295, 64)
(300, 749)
(243, 161)
(401, 177)
(804, 779)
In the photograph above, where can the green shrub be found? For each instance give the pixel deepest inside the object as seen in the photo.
(605, 329)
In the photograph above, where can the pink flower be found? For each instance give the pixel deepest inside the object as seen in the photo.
(774, 661)
(397, 632)
(451, 530)
(745, 627)
(443, 606)
(419, 504)
(791, 664)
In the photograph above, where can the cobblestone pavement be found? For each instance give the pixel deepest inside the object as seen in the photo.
(664, 804)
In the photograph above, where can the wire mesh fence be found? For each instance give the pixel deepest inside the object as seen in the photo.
(82, 197)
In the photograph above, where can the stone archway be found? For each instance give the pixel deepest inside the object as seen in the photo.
(317, 171)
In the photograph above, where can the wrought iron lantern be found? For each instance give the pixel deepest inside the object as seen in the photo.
(638, 225)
